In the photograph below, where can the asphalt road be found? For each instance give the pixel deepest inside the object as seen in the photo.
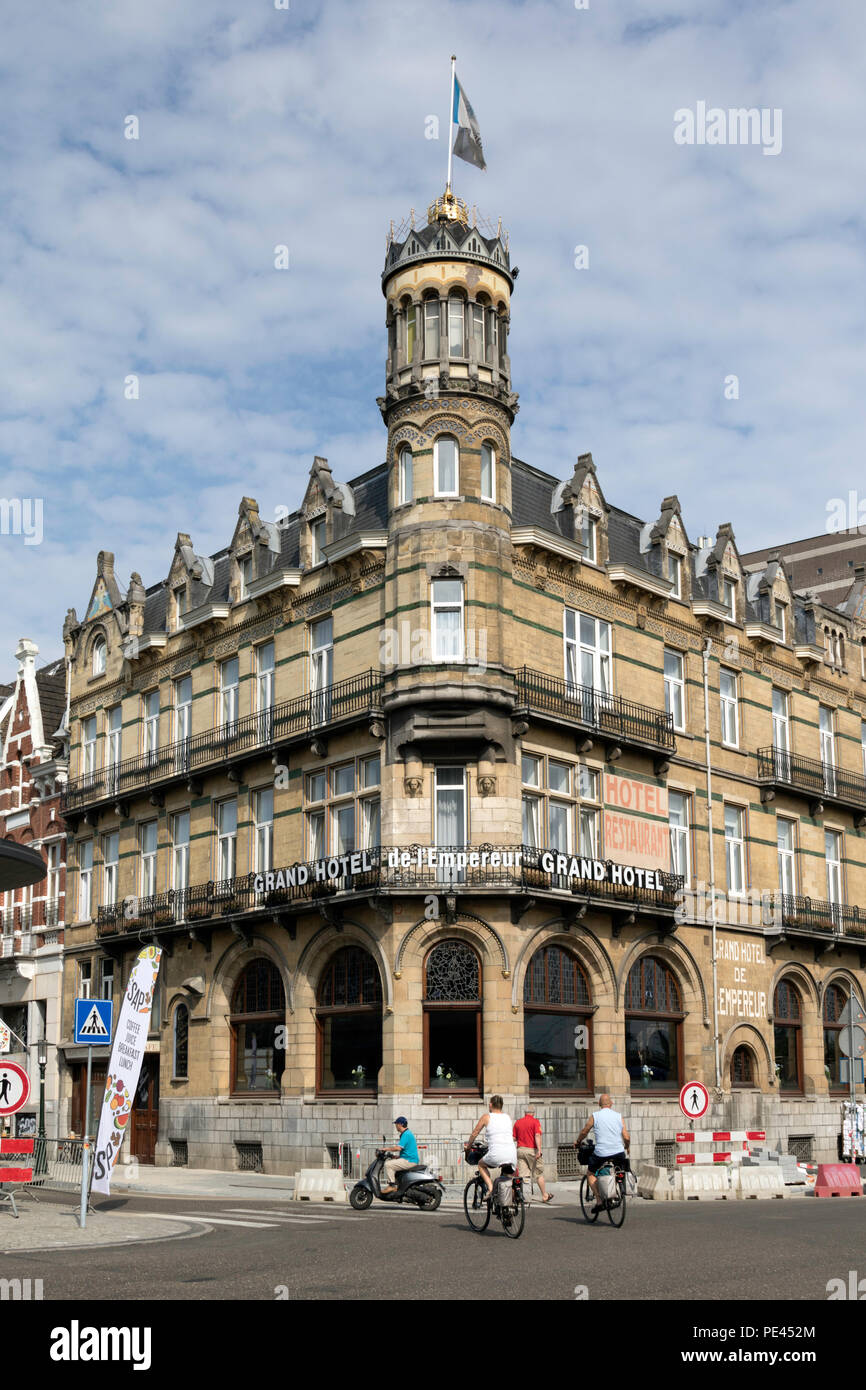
(749, 1252)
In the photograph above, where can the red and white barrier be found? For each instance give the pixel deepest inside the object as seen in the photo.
(741, 1138)
(18, 1147)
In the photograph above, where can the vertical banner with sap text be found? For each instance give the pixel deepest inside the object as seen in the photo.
(130, 1038)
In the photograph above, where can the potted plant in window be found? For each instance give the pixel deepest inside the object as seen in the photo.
(358, 1075)
(447, 1075)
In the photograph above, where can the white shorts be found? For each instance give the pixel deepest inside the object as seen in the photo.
(494, 1158)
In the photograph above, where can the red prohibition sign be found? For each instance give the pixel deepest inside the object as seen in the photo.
(14, 1087)
(694, 1100)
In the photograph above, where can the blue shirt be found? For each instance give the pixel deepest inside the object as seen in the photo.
(409, 1146)
(608, 1132)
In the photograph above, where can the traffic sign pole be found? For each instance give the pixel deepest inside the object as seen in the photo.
(93, 1020)
(85, 1148)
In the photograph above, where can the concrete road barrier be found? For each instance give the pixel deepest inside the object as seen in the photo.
(763, 1182)
(706, 1184)
(320, 1185)
(654, 1183)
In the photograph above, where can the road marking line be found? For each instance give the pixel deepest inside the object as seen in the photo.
(206, 1220)
(304, 1214)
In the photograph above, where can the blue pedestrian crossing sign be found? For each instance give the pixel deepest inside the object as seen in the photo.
(93, 1019)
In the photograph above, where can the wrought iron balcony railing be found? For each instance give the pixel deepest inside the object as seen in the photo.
(255, 732)
(817, 915)
(608, 715)
(459, 868)
(819, 780)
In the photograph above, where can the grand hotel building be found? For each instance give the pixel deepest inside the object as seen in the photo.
(411, 786)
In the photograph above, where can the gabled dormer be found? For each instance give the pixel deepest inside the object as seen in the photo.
(769, 604)
(253, 547)
(97, 640)
(719, 587)
(583, 501)
(327, 512)
(667, 548)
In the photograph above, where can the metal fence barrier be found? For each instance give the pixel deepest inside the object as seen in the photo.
(57, 1164)
(444, 1157)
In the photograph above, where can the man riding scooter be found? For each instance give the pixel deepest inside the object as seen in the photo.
(408, 1151)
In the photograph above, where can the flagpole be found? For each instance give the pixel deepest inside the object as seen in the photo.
(451, 120)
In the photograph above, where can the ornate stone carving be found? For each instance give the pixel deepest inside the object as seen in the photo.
(486, 785)
(413, 786)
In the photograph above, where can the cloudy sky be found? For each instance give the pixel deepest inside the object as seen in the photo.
(154, 257)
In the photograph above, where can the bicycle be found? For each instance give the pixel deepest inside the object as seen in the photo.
(614, 1206)
(478, 1206)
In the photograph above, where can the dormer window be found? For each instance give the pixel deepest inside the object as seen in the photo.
(675, 574)
(181, 602)
(317, 541)
(245, 570)
(782, 620)
(99, 652)
(729, 597)
(588, 531)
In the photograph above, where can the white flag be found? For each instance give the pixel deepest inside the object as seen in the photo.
(467, 144)
(130, 1039)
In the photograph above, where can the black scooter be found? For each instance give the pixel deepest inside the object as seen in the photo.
(416, 1185)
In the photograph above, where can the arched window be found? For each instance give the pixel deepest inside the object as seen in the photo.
(557, 1016)
(258, 1011)
(488, 471)
(431, 324)
(446, 466)
(410, 315)
(452, 1019)
(653, 1026)
(788, 1036)
(405, 481)
(835, 999)
(180, 1042)
(743, 1067)
(349, 1023)
(99, 650)
(456, 326)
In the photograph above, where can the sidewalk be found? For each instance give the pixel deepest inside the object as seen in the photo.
(44, 1226)
(205, 1182)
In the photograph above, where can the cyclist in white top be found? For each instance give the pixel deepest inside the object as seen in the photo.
(611, 1139)
(501, 1147)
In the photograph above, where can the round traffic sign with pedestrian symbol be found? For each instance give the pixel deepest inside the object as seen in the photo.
(694, 1100)
(14, 1087)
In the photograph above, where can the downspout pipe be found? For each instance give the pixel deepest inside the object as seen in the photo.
(706, 659)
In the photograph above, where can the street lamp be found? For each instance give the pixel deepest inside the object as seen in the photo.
(42, 1059)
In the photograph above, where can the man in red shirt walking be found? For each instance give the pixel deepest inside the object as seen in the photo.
(527, 1137)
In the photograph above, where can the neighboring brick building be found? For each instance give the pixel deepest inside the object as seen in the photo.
(33, 765)
(457, 654)
(825, 565)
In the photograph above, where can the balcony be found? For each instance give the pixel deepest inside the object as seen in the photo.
(281, 725)
(617, 721)
(821, 782)
(520, 871)
(814, 915)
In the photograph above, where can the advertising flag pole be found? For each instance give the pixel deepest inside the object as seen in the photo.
(85, 1146)
(451, 120)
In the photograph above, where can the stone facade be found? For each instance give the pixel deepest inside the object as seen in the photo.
(458, 649)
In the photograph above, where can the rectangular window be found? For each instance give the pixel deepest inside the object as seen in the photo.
(180, 601)
(446, 597)
(147, 843)
(679, 822)
(229, 685)
(781, 735)
(370, 822)
(406, 483)
(245, 573)
(265, 691)
(316, 834)
(488, 464)
(863, 743)
(343, 780)
(559, 777)
(110, 863)
(85, 880)
(833, 855)
(587, 652)
(316, 786)
(532, 828)
(530, 770)
(782, 620)
(729, 708)
(53, 885)
(180, 851)
(321, 668)
(227, 839)
(455, 327)
(445, 467)
(787, 850)
(450, 806)
(317, 541)
(675, 687)
(729, 591)
(411, 326)
(431, 328)
(675, 574)
(560, 820)
(827, 734)
(115, 723)
(343, 828)
(735, 849)
(589, 823)
(588, 526)
(182, 708)
(88, 746)
(263, 810)
(476, 313)
(106, 978)
(371, 771)
(84, 980)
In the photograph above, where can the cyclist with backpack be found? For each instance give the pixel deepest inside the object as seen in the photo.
(612, 1139)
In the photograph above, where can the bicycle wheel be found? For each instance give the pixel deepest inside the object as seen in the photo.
(514, 1217)
(616, 1208)
(587, 1201)
(476, 1205)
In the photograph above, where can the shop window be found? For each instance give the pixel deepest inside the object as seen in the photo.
(743, 1067)
(258, 1011)
(653, 1027)
(349, 1024)
(557, 1017)
(452, 1020)
(835, 999)
(788, 1036)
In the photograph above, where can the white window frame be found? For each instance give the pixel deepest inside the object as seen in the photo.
(729, 708)
(147, 857)
(602, 661)
(432, 315)
(675, 689)
(680, 833)
(52, 886)
(321, 667)
(229, 693)
(438, 606)
(180, 851)
(182, 711)
(782, 620)
(99, 657)
(226, 841)
(833, 840)
(787, 857)
(441, 774)
(150, 721)
(85, 880)
(245, 575)
(318, 541)
(675, 573)
(110, 866)
(735, 850)
(106, 973)
(438, 490)
(263, 831)
(265, 677)
(729, 590)
(405, 475)
(588, 526)
(89, 740)
(454, 302)
(488, 495)
(85, 979)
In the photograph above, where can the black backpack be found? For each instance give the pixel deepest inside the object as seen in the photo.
(586, 1151)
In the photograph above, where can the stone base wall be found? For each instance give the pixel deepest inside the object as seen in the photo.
(295, 1133)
